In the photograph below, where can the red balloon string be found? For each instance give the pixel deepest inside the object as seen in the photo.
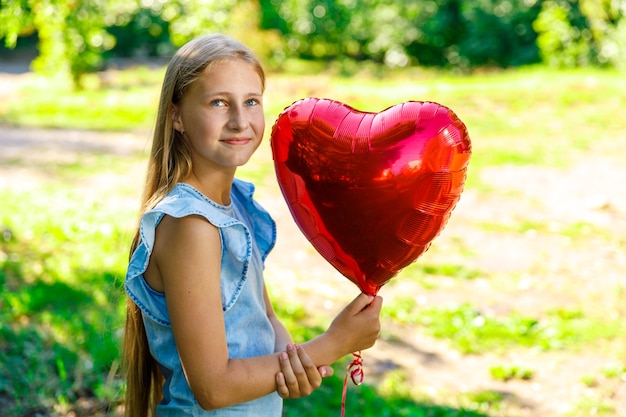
(355, 372)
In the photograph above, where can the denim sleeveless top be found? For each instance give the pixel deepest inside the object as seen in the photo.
(248, 233)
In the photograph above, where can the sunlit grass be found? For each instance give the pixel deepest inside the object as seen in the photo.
(122, 105)
(484, 400)
(63, 253)
(469, 330)
(592, 405)
(508, 372)
(576, 231)
(521, 117)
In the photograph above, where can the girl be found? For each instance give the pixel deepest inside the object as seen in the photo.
(201, 336)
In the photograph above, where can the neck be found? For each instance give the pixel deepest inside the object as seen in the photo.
(215, 185)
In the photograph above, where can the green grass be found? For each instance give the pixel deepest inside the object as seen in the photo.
(128, 102)
(577, 231)
(592, 405)
(387, 401)
(63, 254)
(470, 331)
(520, 117)
(508, 372)
(461, 272)
(60, 298)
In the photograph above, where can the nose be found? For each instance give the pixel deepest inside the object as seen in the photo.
(238, 119)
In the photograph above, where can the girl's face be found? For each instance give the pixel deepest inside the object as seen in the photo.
(222, 115)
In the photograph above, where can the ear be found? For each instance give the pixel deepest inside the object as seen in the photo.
(177, 121)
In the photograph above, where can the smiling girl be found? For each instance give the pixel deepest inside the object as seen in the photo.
(201, 336)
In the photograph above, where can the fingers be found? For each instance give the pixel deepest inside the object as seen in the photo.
(281, 385)
(360, 303)
(307, 375)
(289, 374)
(357, 326)
(375, 305)
(299, 376)
(311, 379)
(326, 371)
(365, 303)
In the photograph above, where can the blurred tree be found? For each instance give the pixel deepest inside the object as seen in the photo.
(191, 18)
(497, 33)
(582, 32)
(607, 24)
(564, 39)
(142, 34)
(76, 36)
(441, 29)
(178, 21)
(245, 25)
(357, 29)
(457, 33)
(71, 33)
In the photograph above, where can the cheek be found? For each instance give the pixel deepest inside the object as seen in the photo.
(259, 121)
(203, 122)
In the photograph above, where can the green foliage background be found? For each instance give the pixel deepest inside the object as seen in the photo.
(77, 37)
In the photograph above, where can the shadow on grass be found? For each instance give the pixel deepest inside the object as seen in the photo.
(58, 343)
(366, 401)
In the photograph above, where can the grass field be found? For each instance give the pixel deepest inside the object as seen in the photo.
(524, 287)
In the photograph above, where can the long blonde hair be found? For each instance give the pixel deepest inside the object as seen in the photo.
(169, 163)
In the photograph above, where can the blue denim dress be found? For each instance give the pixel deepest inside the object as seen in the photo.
(248, 234)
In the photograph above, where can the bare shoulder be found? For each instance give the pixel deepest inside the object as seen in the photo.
(185, 228)
(189, 234)
(188, 241)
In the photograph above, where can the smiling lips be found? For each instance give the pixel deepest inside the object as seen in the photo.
(237, 141)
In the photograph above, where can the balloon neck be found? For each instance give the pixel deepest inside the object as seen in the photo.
(368, 288)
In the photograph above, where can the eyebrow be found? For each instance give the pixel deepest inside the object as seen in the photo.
(226, 93)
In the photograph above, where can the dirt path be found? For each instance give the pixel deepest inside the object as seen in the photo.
(550, 270)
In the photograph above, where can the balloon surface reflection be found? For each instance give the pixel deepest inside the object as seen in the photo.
(370, 191)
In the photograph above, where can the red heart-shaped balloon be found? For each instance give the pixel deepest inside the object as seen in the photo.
(370, 191)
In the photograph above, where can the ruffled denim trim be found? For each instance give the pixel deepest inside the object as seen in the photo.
(185, 200)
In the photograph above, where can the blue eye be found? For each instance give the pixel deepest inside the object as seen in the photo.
(218, 103)
(252, 102)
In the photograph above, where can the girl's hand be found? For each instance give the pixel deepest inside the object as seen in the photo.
(357, 326)
(299, 376)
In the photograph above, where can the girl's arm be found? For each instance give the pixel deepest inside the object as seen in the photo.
(187, 256)
(283, 338)
(185, 265)
(298, 376)
(355, 328)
